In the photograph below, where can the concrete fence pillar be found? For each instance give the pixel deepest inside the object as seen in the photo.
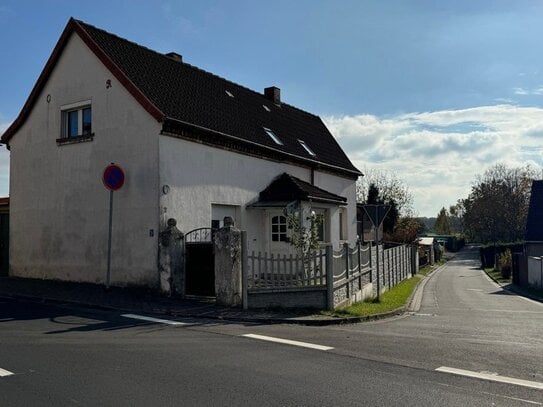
(171, 259)
(228, 264)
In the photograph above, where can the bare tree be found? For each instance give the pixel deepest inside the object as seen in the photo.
(391, 188)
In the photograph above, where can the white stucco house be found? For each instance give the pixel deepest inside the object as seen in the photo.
(194, 147)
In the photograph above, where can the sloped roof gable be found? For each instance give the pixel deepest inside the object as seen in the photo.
(177, 94)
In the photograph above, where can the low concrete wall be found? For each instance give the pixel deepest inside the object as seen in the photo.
(303, 297)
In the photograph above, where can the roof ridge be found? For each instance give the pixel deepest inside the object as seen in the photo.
(83, 23)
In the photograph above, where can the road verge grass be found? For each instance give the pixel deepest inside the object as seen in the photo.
(497, 276)
(390, 300)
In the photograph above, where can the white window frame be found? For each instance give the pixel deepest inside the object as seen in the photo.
(325, 213)
(306, 148)
(279, 223)
(273, 136)
(74, 107)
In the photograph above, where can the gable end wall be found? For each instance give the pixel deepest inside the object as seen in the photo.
(59, 206)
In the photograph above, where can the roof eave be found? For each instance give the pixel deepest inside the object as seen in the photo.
(314, 163)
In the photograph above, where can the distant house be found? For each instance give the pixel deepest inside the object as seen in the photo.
(195, 147)
(530, 270)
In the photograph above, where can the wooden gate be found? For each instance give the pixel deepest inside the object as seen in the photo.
(200, 262)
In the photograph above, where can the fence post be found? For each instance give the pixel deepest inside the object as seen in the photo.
(371, 261)
(388, 268)
(347, 272)
(244, 271)
(383, 266)
(330, 277)
(359, 247)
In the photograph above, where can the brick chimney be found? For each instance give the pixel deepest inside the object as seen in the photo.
(175, 56)
(273, 93)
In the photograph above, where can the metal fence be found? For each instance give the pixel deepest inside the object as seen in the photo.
(344, 276)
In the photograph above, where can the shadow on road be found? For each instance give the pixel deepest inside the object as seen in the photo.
(76, 319)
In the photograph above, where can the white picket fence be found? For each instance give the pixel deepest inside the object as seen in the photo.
(328, 278)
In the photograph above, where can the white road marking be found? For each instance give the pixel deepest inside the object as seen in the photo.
(474, 289)
(491, 377)
(288, 342)
(4, 372)
(150, 319)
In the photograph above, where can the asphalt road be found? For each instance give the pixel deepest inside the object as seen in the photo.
(64, 356)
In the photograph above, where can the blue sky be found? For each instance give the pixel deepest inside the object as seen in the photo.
(434, 91)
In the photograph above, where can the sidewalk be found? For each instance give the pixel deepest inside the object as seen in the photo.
(145, 301)
(142, 300)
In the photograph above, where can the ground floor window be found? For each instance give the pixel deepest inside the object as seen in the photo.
(279, 228)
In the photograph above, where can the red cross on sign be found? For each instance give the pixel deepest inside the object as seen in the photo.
(113, 177)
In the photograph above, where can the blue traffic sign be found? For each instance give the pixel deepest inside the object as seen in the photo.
(113, 177)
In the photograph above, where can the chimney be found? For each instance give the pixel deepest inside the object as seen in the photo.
(175, 56)
(273, 93)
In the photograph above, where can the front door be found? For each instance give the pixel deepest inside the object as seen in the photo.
(278, 234)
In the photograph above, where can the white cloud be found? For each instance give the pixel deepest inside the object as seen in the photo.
(438, 154)
(524, 92)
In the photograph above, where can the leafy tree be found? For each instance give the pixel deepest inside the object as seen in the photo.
(442, 226)
(304, 235)
(456, 217)
(407, 230)
(497, 207)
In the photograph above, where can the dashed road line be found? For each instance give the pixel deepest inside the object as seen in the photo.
(288, 342)
(4, 372)
(151, 319)
(491, 377)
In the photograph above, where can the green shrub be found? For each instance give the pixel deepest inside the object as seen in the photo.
(505, 263)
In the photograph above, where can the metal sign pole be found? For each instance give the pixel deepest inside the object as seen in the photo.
(113, 179)
(109, 239)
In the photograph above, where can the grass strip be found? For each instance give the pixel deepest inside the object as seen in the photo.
(390, 300)
(497, 276)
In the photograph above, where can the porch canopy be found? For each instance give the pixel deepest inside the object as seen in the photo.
(286, 190)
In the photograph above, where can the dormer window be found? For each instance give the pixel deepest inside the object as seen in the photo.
(76, 120)
(273, 136)
(306, 148)
(229, 93)
(266, 108)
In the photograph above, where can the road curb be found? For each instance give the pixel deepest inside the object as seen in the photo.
(514, 289)
(411, 306)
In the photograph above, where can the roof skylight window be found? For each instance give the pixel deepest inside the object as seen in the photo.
(266, 108)
(229, 93)
(306, 147)
(273, 136)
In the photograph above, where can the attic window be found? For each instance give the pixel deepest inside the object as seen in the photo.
(76, 120)
(273, 136)
(229, 93)
(266, 108)
(306, 147)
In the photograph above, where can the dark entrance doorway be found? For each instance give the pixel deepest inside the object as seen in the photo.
(200, 262)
